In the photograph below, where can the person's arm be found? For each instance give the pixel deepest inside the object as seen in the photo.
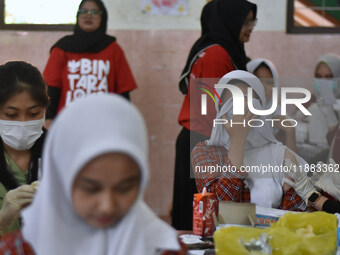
(226, 186)
(291, 201)
(53, 77)
(327, 205)
(289, 133)
(124, 81)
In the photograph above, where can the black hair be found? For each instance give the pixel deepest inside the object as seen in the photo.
(263, 65)
(19, 76)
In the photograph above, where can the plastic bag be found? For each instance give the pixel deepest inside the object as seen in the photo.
(293, 234)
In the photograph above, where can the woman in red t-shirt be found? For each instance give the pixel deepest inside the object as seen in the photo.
(87, 62)
(226, 26)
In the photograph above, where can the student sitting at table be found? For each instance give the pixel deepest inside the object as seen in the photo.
(241, 146)
(90, 200)
(23, 103)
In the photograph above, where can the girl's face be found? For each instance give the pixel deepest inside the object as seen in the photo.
(22, 107)
(247, 27)
(266, 77)
(105, 189)
(89, 17)
(323, 72)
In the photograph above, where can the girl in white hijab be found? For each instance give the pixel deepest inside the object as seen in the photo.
(261, 147)
(323, 122)
(265, 70)
(95, 171)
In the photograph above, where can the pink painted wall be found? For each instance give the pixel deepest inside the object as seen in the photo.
(157, 58)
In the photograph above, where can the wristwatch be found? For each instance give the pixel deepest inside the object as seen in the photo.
(312, 198)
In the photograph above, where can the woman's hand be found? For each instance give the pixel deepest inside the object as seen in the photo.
(238, 131)
(238, 136)
(15, 200)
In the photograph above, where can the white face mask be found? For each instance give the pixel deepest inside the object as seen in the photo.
(21, 135)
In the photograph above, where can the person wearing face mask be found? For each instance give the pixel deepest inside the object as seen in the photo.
(266, 71)
(226, 26)
(244, 146)
(23, 102)
(87, 62)
(90, 201)
(322, 124)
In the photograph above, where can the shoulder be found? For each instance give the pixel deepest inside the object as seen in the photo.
(14, 244)
(216, 59)
(114, 46)
(57, 50)
(216, 49)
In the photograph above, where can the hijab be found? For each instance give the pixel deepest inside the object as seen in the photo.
(333, 62)
(256, 63)
(261, 148)
(82, 41)
(88, 128)
(221, 23)
(256, 136)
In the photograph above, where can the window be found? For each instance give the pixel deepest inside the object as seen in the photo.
(313, 16)
(38, 14)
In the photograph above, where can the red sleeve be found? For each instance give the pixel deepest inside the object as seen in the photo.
(14, 244)
(228, 185)
(53, 69)
(291, 201)
(123, 76)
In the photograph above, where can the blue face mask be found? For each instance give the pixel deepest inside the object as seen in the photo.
(324, 82)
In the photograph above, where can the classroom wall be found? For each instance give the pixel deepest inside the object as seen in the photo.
(156, 48)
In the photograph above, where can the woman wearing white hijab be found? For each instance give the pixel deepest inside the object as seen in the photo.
(95, 171)
(323, 122)
(256, 148)
(265, 70)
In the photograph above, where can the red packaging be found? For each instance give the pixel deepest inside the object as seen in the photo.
(205, 205)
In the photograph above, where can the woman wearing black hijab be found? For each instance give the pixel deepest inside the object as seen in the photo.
(226, 26)
(87, 62)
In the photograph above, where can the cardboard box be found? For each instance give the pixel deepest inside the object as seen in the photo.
(236, 213)
(266, 216)
(247, 214)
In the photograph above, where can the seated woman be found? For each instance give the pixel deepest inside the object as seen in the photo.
(90, 200)
(242, 146)
(323, 122)
(265, 70)
(23, 102)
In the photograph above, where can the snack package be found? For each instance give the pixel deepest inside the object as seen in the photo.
(204, 210)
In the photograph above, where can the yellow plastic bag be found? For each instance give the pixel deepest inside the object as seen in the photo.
(294, 234)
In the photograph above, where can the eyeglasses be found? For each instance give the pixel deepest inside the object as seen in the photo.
(250, 23)
(94, 12)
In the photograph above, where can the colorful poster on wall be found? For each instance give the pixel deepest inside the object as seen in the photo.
(165, 7)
